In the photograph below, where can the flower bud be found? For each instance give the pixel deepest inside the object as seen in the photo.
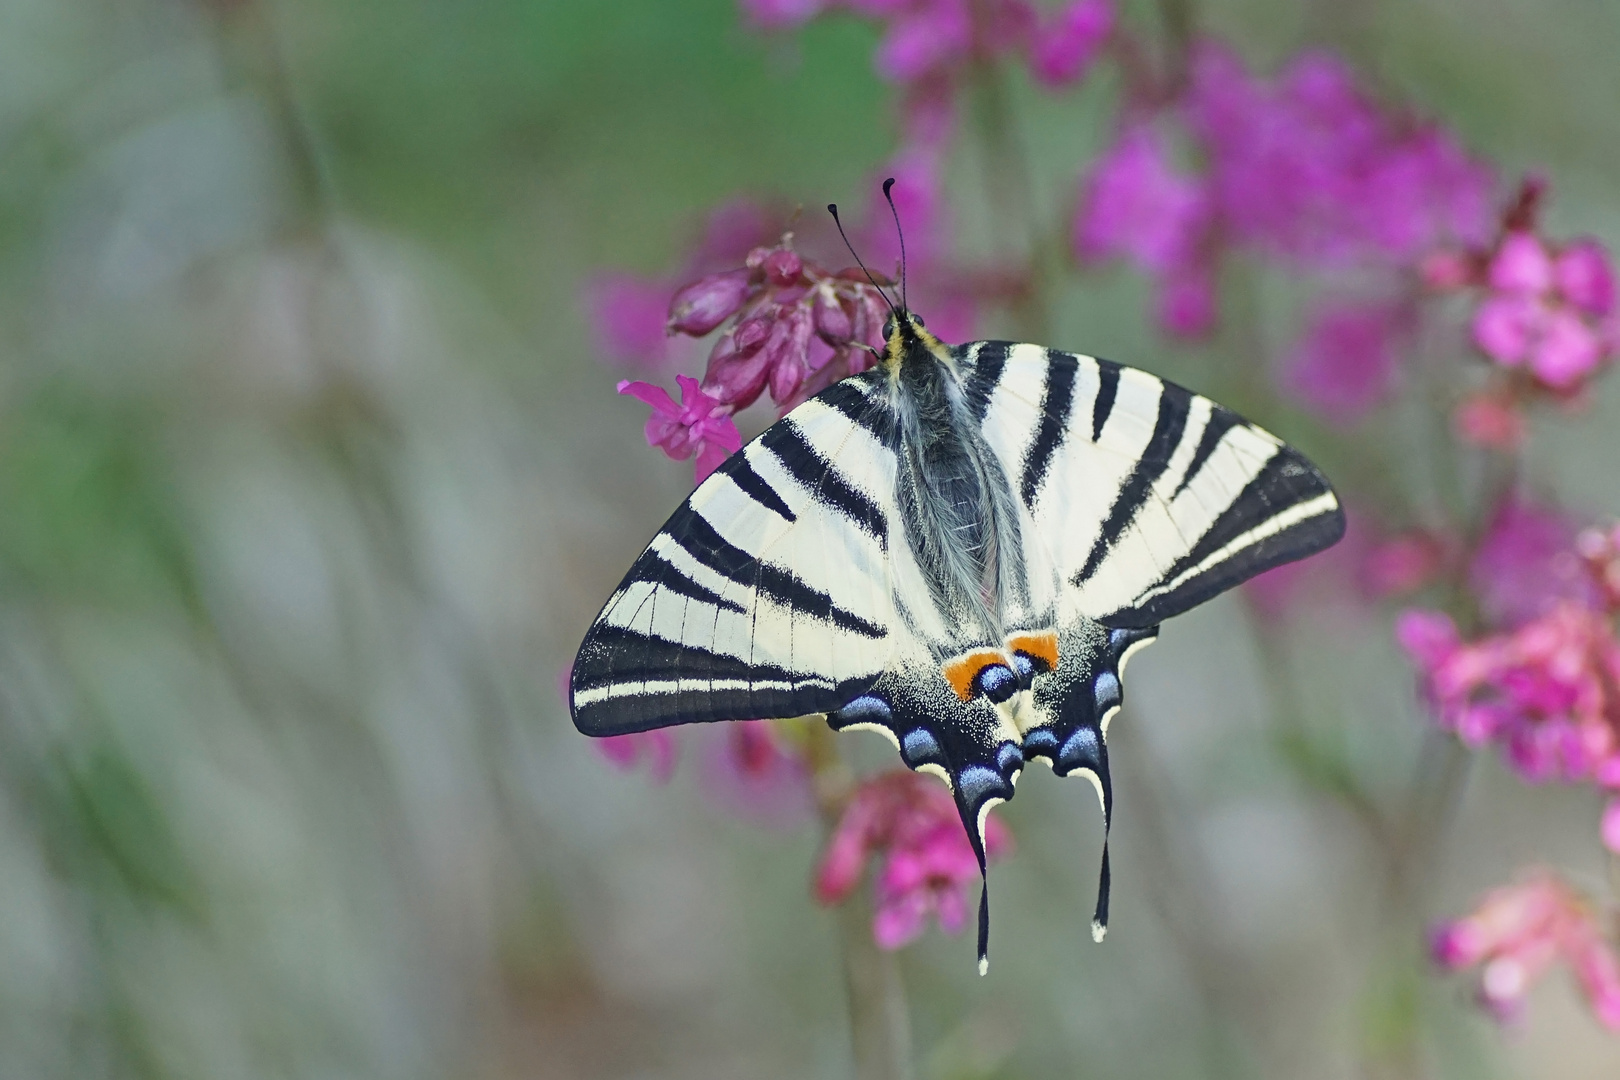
(704, 305)
(782, 267)
(832, 321)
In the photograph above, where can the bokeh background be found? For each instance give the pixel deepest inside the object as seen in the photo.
(311, 478)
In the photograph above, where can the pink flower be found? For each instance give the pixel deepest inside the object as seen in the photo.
(696, 425)
(1518, 932)
(656, 747)
(929, 867)
(1526, 563)
(1402, 564)
(781, 14)
(1599, 549)
(627, 316)
(751, 770)
(1137, 205)
(928, 37)
(1490, 420)
(1547, 312)
(1546, 691)
(1347, 363)
(1063, 50)
(1308, 167)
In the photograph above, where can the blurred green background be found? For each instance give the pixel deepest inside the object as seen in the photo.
(310, 483)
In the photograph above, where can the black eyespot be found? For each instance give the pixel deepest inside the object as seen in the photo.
(996, 682)
(888, 328)
(918, 320)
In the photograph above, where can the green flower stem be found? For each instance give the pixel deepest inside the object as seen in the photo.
(879, 1016)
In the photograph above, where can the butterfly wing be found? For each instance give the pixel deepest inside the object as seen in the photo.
(767, 593)
(1150, 499)
(1147, 500)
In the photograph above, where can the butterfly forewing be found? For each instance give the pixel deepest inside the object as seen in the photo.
(1150, 499)
(766, 594)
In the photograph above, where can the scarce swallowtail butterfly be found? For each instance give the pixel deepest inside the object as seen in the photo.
(959, 549)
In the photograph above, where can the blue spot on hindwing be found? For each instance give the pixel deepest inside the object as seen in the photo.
(1105, 691)
(920, 747)
(1009, 758)
(867, 709)
(1040, 742)
(996, 682)
(977, 783)
(1083, 750)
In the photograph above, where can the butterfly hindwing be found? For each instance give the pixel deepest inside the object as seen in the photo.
(766, 594)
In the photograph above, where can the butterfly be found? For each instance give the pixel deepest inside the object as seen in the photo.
(959, 548)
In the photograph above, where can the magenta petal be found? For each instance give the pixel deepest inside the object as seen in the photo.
(1505, 325)
(1568, 351)
(627, 318)
(781, 14)
(923, 40)
(656, 396)
(899, 920)
(1585, 277)
(1065, 49)
(1348, 361)
(1521, 265)
(1429, 637)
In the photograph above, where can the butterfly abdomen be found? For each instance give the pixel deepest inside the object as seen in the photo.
(957, 506)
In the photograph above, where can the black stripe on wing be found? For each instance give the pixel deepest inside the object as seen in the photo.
(989, 362)
(1056, 400)
(1221, 420)
(1107, 389)
(807, 465)
(1138, 487)
(699, 539)
(1283, 489)
(649, 681)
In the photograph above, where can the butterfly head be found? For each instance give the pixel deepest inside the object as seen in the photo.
(904, 335)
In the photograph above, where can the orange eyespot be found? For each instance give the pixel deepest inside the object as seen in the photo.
(1039, 644)
(961, 671)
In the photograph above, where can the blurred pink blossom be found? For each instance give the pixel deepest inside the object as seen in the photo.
(1402, 564)
(750, 770)
(1491, 420)
(628, 316)
(700, 424)
(1348, 361)
(1526, 563)
(656, 747)
(1599, 549)
(1307, 166)
(1136, 204)
(1063, 50)
(1518, 932)
(1548, 311)
(1546, 691)
(929, 866)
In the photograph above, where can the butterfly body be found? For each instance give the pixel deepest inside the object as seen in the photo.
(958, 548)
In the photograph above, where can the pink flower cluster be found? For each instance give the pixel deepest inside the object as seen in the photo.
(1519, 931)
(1545, 690)
(1305, 169)
(928, 863)
(795, 329)
(1545, 317)
(928, 40)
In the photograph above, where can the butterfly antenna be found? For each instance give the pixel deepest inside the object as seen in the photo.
(888, 188)
(832, 208)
